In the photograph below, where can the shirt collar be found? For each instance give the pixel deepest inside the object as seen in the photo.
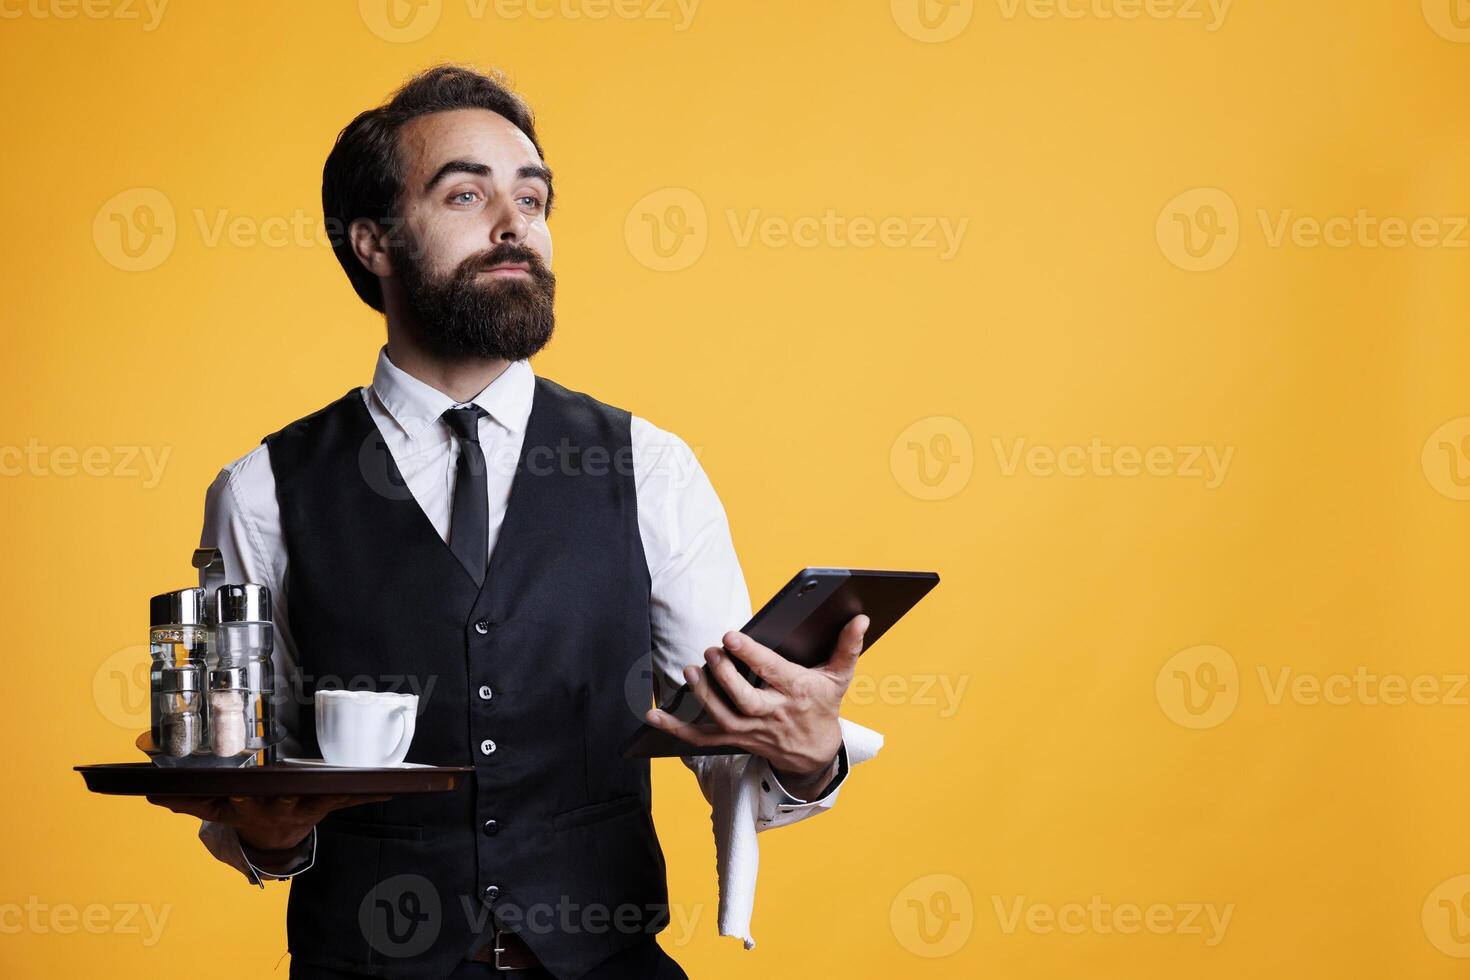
(415, 406)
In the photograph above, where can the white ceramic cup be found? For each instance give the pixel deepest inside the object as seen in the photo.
(365, 729)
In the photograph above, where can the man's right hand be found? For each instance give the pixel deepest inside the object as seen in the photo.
(265, 823)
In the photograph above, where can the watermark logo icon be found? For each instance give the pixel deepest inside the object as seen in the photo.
(400, 21)
(1199, 230)
(933, 916)
(638, 686)
(1450, 19)
(1446, 459)
(668, 229)
(932, 21)
(135, 230)
(1446, 916)
(120, 687)
(401, 916)
(1198, 687)
(933, 458)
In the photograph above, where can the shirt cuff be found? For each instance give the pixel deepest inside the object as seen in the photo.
(777, 804)
(304, 858)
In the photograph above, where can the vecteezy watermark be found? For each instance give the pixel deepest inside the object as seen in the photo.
(932, 21)
(832, 229)
(298, 229)
(1209, 13)
(147, 13)
(1446, 458)
(668, 230)
(122, 462)
(136, 230)
(1208, 464)
(1363, 229)
(1200, 230)
(942, 692)
(933, 458)
(301, 687)
(935, 21)
(932, 916)
(1098, 917)
(669, 461)
(403, 916)
(674, 922)
(120, 687)
(37, 917)
(406, 21)
(1450, 19)
(1200, 687)
(1362, 686)
(1446, 916)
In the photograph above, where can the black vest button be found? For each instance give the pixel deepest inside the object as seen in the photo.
(485, 692)
(487, 746)
(491, 828)
(482, 627)
(492, 892)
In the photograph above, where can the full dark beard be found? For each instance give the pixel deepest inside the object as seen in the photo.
(469, 315)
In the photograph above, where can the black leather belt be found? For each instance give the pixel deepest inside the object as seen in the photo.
(507, 952)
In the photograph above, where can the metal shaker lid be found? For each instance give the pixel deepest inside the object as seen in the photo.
(184, 607)
(229, 679)
(247, 603)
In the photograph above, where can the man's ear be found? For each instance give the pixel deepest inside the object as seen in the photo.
(370, 245)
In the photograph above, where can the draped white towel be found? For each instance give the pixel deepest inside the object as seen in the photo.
(738, 812)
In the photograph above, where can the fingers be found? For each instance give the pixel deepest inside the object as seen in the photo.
(747, 699)
(203, 807)
(718, 711)
(263, 807)
(698, 735)
(843, 661)
(772, 668)
(308, 807)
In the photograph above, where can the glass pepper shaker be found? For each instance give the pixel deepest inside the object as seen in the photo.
(181, 722)
(178, 641)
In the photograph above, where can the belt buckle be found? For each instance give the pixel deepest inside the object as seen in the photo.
(500, 948)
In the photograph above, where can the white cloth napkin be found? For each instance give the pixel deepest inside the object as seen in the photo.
(735, 797)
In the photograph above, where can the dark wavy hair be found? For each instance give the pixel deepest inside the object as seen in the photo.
(363, 177)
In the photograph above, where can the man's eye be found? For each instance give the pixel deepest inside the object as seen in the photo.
(465, 197)
(531, 201)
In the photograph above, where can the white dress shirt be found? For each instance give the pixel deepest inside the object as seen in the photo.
(697, 590)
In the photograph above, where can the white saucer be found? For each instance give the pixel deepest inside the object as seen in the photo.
(323, 764)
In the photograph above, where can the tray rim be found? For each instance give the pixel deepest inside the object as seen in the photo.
(419, 780)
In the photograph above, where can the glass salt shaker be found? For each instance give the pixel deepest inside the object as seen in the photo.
(241, 686)
(178, 640)
(230, 718)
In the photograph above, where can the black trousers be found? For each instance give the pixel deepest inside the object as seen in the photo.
(642, 961)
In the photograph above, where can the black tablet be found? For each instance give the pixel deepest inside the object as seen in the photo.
(801, 623)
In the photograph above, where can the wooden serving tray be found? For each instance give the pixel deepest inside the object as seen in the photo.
(279, 779)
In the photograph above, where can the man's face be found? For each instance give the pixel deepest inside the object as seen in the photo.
(472, 251)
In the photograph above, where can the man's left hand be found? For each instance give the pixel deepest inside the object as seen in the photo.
(792, 721)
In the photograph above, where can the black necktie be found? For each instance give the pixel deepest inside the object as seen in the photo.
(469, 521)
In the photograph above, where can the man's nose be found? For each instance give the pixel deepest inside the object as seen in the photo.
(508, 224)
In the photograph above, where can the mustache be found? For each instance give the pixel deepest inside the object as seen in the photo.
(505, 252)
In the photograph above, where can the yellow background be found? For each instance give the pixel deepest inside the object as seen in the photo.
(1334, 544)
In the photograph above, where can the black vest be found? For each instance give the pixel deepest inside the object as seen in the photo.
(553, 833)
